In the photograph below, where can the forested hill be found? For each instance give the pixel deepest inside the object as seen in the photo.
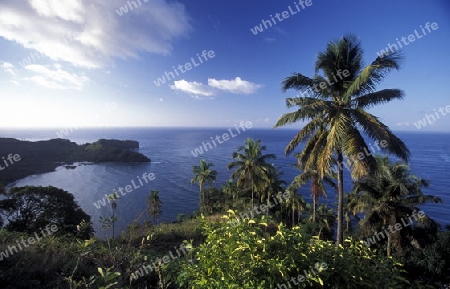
(28, 158)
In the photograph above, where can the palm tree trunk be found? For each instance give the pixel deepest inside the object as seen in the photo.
(347, 223)
(252, 195)
(314, 209)
(392, 221)
(293, 216)
(202, 201)
(389, 244)
(113, 225)
(340, 208)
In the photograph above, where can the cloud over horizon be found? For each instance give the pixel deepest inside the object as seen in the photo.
(235, 86)
(56, 78)
(92, 35)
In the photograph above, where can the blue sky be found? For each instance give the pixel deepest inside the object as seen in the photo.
(93, 67)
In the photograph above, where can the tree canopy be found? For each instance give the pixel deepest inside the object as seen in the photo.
(29, 209)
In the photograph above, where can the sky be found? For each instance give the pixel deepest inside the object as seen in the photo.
(96, 63)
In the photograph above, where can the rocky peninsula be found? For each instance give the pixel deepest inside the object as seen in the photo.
(20, 159)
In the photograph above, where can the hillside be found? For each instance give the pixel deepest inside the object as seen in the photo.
(28, 158)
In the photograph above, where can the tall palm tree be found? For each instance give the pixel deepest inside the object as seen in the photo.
(252, 172)
(154, 205)
(204, 175)
(275, 186)
(113, 197)
(295, 203)
(317, 184)
(335, 105)
(387, 197)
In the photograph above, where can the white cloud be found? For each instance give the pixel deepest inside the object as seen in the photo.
(91, 34)
(70, 10)
(10, 71)
(7, 65)
(236, 85)
(56, 78)
(402, 124)
(194, 88)
(8, 68)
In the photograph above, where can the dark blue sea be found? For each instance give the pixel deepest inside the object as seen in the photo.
(170, 150)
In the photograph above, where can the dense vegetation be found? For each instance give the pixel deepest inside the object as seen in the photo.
(257, 230)
(44, 156)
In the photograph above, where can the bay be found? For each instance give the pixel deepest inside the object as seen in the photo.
(172, 151)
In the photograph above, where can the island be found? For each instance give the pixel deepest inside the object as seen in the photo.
(19, 159)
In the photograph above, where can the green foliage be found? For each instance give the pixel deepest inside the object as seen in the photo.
(203, 175)
(386, 197)
(323, 226)
(105, 280)
(336, 115)
(29, 209)
(244, 256)
(154, 205)
(215, 201)
(251, 169)
(42, 264)
(430, 265)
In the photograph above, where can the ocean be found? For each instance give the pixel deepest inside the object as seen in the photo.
(172, 151)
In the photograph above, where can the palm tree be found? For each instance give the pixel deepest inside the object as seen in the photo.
(203, 175)
(154, 205)
(275, 185)
(113, 197)
(337, 113)
(294, 202)
(252, 171)
(388, 197)
(326, 218)
(317, 185)
(231, 190)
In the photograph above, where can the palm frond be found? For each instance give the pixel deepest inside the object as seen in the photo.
(378, 131)
(373, 74)
(378, 97)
